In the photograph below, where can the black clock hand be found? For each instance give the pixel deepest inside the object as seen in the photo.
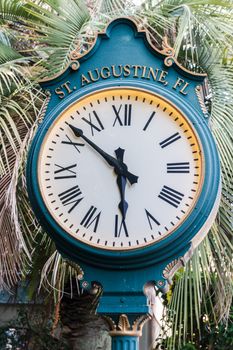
(120, 168)
(121, 182)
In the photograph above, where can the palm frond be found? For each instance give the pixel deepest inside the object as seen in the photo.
(16, 131)
(59, 36)
(13, 69)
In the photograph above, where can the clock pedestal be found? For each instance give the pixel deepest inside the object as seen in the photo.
(125, 342)
(125, 332)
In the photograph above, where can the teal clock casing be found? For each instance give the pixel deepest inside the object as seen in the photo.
(125, 95)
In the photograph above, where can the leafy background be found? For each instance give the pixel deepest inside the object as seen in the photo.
(36, 40)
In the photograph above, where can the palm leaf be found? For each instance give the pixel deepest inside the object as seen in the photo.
(59, 36)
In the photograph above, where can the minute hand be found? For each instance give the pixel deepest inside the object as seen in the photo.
(120, 167)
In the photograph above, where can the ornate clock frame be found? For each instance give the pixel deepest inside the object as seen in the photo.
(123, 48)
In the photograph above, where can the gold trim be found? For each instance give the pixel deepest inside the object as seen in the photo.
(166, 51)
(44, 107)
(77, 268)
(171, 269)
(156, 95)
(124, 328)
(200, 97)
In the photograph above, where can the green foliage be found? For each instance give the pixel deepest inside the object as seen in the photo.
(188, 347)
(36, 40)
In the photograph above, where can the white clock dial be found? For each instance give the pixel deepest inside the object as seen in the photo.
(88, 196)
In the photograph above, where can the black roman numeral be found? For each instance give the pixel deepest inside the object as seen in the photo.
(148, 121)
(123, 115)
(170, 140)
(75, 144)
(65, 172)
(96, 124)
(150, 218)
(171, 196)
(120, 226)
(71, 197)
(178, 167)
(90, 218)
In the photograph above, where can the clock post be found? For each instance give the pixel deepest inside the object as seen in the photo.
(123, 172)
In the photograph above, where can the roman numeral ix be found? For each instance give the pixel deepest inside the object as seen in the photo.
(71, 197)
(123, 115)
(170, 140)
(65, 172)
(171, 196)
(90, 218)
(178, 167)
(96, 124)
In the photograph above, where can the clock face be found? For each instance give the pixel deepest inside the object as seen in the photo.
(120, 169)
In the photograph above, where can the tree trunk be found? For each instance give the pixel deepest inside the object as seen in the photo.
(81, 327)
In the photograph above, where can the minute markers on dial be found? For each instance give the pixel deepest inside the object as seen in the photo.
(148, 218)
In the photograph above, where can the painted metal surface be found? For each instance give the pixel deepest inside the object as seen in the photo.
(125, 343)
(123, 57)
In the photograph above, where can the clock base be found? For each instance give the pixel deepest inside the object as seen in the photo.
(126, 330)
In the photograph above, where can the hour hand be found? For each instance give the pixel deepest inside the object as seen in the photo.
(123, 205)
(121, 183)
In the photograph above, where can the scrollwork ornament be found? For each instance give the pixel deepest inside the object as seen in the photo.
(74, 55)
(171, 268)
(201, 100)
(44, 107)
(168, 61)
(74, 65)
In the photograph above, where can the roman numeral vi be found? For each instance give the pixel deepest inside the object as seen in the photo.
(120, 226)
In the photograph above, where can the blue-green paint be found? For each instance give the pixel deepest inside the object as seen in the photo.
(123, 274)
(125, 342)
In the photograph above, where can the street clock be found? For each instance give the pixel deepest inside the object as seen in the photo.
(123, 172)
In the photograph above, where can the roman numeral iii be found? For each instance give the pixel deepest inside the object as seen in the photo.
(94, 122)
(91, 218)
(171, 196)
(71, 197)
(123, 115)
(178, 167)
